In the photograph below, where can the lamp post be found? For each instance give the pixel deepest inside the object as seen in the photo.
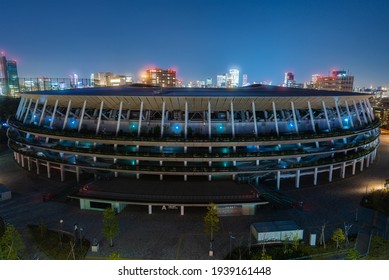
(60, 232)
(231, 237)
(80, 233)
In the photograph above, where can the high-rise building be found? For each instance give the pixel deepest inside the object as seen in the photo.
(161, 77)
(233, 78)
(208, 83)
(221, 81)
(9, 82)
(289, 79)
(338, 80)
(244, 80)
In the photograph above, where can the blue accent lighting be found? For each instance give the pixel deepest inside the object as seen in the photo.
(291, 125)
(220, 128)
(177, 128)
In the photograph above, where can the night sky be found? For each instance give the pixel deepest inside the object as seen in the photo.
(200, 39)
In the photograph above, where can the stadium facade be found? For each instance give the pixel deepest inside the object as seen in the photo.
(244, 134)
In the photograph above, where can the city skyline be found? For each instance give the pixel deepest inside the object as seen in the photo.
(201, 39)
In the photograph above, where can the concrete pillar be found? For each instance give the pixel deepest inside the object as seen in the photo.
(338, 113)
(326, 115)
(343, 172)
(186, 120)
(255, 119)
(160, 177)
(315, 177)
(354, 165)
(210, 178)
(297, 178)
(67, 115)
(275, 118)
(349, 114)
(330, 173)
(22, 158)
(162, 119)
(150, 209)
(278, 179)
(140, 118)
(82, 116)
(362, 161)
(185, 177)
(294, 117)
(42, 113)
(232, 120)
(357, 112)
(28, 109)
(367, 160)
(182, 210)
(62, 173)
(37, 167)
(209, 120)
(99, 118)
(137, 176)
(20, 107)
(48, 169)
(363, 112)
(54, 112)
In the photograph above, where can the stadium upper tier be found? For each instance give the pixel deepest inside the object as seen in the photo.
(242, 134)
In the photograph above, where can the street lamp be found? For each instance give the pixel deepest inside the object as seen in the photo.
(60, 231)
(80, 233)
(231, 237)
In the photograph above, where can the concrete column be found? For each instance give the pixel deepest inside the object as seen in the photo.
(343, 173)
(311, 117)
(278, 180)
(255, 119)
(140, 118)
(367, 160)
(28, 109)
(29, 163)
(137, 176)
(119, 117)
(294, 117)
(62, 173)
(357, 112)
(330, 173)
(275, 118)
(67, 114)
(209, 120)
(367, 111)
(77, 174)
(363, 112)
(232, 120)
(54, 112)
(210, 178)
(297, 178)
(185, 177)
(160, 177)
(99, 118)
(362, 162)
(186, 120)
(37, 167)
(326, 115)
(315, 177)
(22, 158)
(338, 113)
(349, 115)
(163, 119)
(18, 157)
(150, 209)
(20, 107)
(182, 210)
(82, 116)
(370, 108)
(48, 169)
(42, 113)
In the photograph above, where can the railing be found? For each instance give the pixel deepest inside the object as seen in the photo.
(198, 169)
(113, 153)
(240, 138)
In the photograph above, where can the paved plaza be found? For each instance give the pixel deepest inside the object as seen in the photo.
(167, 235)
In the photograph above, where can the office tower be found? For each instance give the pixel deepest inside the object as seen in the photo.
(244, 80)
(221, 81)
(208, 82)
(233, 78)
(289, 79)
(161, 77)
(9, 83)
(338, 80)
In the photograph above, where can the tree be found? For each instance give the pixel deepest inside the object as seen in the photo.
(338, 237)
(114, 256)
(353, 254)
(211, 220)
(11, 244)
(110, 224)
